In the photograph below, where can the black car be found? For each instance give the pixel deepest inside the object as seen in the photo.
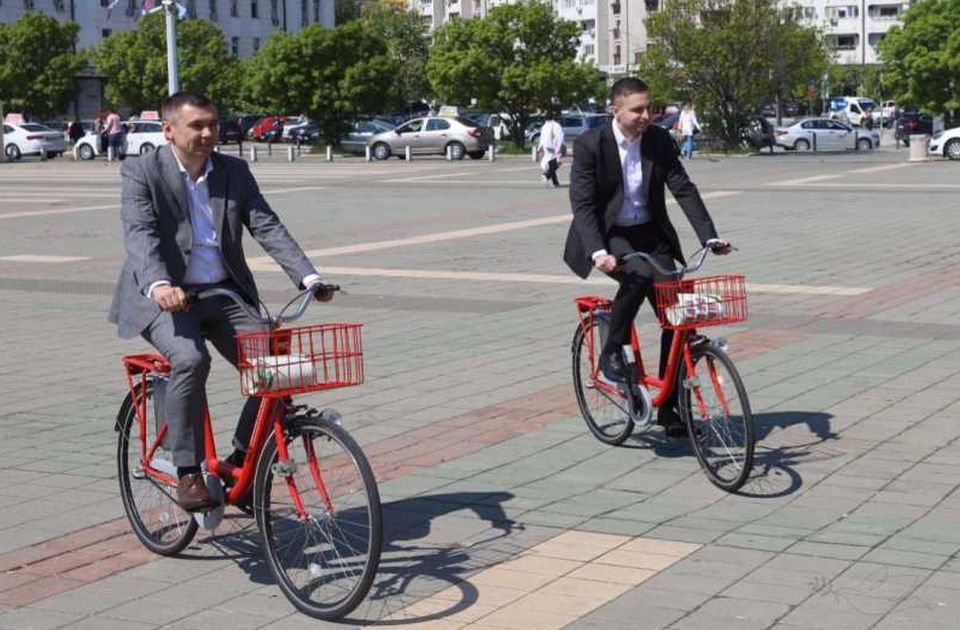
(759, 133)
(308, 134)
(910, 123)
(230, 131)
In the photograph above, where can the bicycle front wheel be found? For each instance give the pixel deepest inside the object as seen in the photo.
(151, 505)
(715, 408)
(604, 406)
(325, 556)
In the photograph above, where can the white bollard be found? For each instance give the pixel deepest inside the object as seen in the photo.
(290, 156)
(533, 154)
(406, 153)
(492, 152)
(109, 153)
(366, 153)
(329, 153)
(253, 154)
(449, 153)
(43, 155)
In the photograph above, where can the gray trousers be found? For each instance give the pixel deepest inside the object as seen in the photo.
(181, 338)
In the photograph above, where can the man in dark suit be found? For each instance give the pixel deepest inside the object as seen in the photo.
(184, 209)
(617, 194)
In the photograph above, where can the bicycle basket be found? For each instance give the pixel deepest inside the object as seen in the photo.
(700, 302)
(298, 360)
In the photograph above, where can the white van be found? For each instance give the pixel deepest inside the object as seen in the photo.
(851, 109)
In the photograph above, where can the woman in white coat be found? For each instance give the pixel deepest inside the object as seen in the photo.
(551, 144)
(687, 125)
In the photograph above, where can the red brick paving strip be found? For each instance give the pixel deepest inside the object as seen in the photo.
(33, 573)
(893, 294)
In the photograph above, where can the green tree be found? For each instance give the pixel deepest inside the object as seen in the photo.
(517, 59)
(922, 58)
(729, 56)
(135, 63)
(38, 64)
(408, 45)
(329, 74)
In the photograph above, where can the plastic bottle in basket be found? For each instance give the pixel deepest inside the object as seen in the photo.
(279, 372)
(693, 308)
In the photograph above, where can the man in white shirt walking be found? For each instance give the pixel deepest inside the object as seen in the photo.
(551, 147)
(688, 125)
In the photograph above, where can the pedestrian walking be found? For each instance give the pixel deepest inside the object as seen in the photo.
(116, 135)
(550, 147)
(617, 193)
(688, 125)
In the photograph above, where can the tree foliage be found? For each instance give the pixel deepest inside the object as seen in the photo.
(729, 56)
(38, 64)
(135, 63)
(408, 45)
(328, 74)
(922, 58)
(518, 59)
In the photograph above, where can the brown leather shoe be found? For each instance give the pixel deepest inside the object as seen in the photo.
(192, 494)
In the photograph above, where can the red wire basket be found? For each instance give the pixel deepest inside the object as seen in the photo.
(700, 302)
(298, 360)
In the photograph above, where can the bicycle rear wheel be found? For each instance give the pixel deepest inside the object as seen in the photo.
(606, 410)
(326, 562)
(151, 505)
(716, 410)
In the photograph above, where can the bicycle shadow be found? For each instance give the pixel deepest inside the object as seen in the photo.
(409, 563)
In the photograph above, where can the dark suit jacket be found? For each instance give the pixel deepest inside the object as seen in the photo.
(158, 235)
(596, 193)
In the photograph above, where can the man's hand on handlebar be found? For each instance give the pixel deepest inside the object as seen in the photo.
(719, 246)
(605, 263)
(171, 299)
(323, 292)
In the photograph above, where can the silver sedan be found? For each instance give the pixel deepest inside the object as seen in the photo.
(434, 135)
(824, 134)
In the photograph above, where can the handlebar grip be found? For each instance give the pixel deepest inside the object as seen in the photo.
(322, 288)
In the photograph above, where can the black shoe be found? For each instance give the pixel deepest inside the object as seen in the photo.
(612, 367)
(673, 425)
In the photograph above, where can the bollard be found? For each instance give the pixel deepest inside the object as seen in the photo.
(270, 149)
(109, 154)
(329, 153)
(533, 154)
(406, 153)
(449, 153)
(290, 156)
(240, 149)
(298, 147)
(253, 154)
(217, 148)
(492, 152)
(814, 137)
(43, 155)
(366, 153)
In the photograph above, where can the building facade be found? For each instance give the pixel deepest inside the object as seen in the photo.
(853, 29)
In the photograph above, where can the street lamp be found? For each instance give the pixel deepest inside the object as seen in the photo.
(171, 10)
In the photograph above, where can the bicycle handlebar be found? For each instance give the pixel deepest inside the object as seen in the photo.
(304, 296)
(699, 257)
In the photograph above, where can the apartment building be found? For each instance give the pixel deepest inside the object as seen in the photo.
(852, 28)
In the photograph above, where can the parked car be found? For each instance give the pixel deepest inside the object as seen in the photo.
(230, 130)
(887, 111)
(31, 139)
(434, 135)
(911, 123)
(247, 121)
(305, 134)
(142, 137)
(291, 124)
(759, 133)
(362, 132)
(57, 125)
(946, 143)
(826, 134)
(573, 126)
(270, 128)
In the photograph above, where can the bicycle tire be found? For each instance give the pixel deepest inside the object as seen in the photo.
(319, 532)
(735, 451)
(618, 423)
(175, 527)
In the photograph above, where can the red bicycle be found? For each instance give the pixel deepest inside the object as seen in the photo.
(712, 399)
(313, 493)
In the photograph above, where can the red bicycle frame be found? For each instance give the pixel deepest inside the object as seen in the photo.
(270, 415)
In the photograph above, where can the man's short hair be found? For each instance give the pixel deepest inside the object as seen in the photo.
(175, 102)
(626, 86)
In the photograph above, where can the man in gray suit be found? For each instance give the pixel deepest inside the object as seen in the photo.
(184, 209)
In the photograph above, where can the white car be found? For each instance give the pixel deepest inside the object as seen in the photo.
(31, 139)
(946, 143)
(824, 134)
(143, 136)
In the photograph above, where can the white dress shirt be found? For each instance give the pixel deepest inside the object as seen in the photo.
(633, 211)
(206, 264)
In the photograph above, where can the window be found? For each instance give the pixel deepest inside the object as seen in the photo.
(304, 16)
(589, 50)
(453, 16)
(28, 5)
(256, 44)
(637, 56)
(411, 127)
(274, 13)
(652, 5)
(59, 5)
(316, 11)
(234, 9)
(192, 8)
(846, 42)
(437, 124)
(103, 3)
(213, 10)
(105, 33)
(235, 46)
(876, 38)
(254, 10)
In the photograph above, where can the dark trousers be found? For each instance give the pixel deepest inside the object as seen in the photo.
(551, 173)
(181, 338)
(636, 278)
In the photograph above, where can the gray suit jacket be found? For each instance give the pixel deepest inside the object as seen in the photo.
(158, 235)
